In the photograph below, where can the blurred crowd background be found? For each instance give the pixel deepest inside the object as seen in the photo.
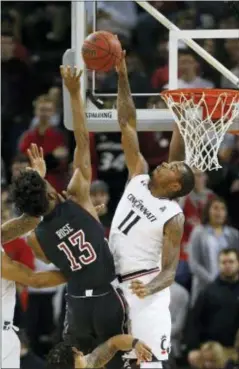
(205, 295)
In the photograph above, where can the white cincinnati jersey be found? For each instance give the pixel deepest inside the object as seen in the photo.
(136, 234)
(8, 298)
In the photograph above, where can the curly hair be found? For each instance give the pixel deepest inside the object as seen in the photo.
(29, 193)
(61, 357)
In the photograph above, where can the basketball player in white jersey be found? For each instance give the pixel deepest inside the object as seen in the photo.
(15, 272)
(146, 232)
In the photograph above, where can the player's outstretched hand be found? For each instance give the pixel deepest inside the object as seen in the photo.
(36, 157)
(143, 352)
(71, 78)
(139, 289)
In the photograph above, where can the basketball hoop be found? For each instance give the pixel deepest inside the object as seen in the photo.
(203, 117)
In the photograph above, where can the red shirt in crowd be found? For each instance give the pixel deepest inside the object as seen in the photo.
(49, 141)
(193, 210)
(19, 251)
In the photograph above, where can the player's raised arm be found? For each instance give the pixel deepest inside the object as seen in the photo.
(17, 227)
(176, 148)
(105, 352)
(14, 271)
(173, 232)
(127, 121)
(71, 78)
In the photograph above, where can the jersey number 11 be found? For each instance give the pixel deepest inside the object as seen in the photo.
(129, 221)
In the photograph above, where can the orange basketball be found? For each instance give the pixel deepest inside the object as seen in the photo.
(101, 51)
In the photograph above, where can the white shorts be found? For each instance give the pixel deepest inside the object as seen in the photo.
(10, 349)
(150, 319)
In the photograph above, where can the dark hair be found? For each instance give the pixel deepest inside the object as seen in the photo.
(205, 215)
(29, 193)
(229, 250)
(61, 357)
(187, 182)
(185, 52)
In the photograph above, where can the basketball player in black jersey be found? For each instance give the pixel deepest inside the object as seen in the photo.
(71, 236)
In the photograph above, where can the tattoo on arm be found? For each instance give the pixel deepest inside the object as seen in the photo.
(127, 121)
(17, 227)
(101, 356)
(125, 104)
(173, 232)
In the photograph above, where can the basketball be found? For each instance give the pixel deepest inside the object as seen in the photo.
(101, 51)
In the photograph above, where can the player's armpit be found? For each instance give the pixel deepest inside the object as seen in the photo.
(173, 232)
(19, 273)
(36, 248)
(17, 227)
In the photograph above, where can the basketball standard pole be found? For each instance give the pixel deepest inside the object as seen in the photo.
(78, 15)
(192, 44)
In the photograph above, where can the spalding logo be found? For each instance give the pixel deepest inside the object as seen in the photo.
(99, 115)
(88, 52)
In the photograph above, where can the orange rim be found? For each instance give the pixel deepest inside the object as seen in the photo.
(211, 99)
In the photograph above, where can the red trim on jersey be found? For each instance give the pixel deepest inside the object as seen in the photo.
(139, 273)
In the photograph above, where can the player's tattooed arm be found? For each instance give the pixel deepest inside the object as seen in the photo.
(71, 78)
(17, 227)
(176, 148)
(127, 121)
(105, 352)
(173, 232)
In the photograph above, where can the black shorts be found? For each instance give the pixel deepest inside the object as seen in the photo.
(91, 321)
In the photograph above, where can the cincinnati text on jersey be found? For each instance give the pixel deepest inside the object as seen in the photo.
(139, 204)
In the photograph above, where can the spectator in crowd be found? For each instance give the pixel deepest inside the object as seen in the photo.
(99, 192)
(16, 97)
(225, 181)
(193, 206)
(54, 94)
(19, 251)
(205, 243)
(108, 163)
(210, 356)
(19, 163)
(179, 305)
(232, 51)
(40, 323)
(28, 360)
(188, 71)
(51, 140)
(234, 364)
(215, 316)
(119, 18)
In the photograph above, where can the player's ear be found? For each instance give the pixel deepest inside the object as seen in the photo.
(175, 186)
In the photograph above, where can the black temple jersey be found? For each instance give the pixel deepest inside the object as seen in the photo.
(73, 240)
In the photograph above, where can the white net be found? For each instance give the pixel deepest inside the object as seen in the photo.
(203, 118)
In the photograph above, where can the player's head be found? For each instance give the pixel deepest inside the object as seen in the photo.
(172, 180)
(64, 356)
(32, 195)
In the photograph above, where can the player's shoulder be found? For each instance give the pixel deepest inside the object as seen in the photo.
(140, 178)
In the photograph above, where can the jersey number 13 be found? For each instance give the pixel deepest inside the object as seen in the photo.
(88, 253)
